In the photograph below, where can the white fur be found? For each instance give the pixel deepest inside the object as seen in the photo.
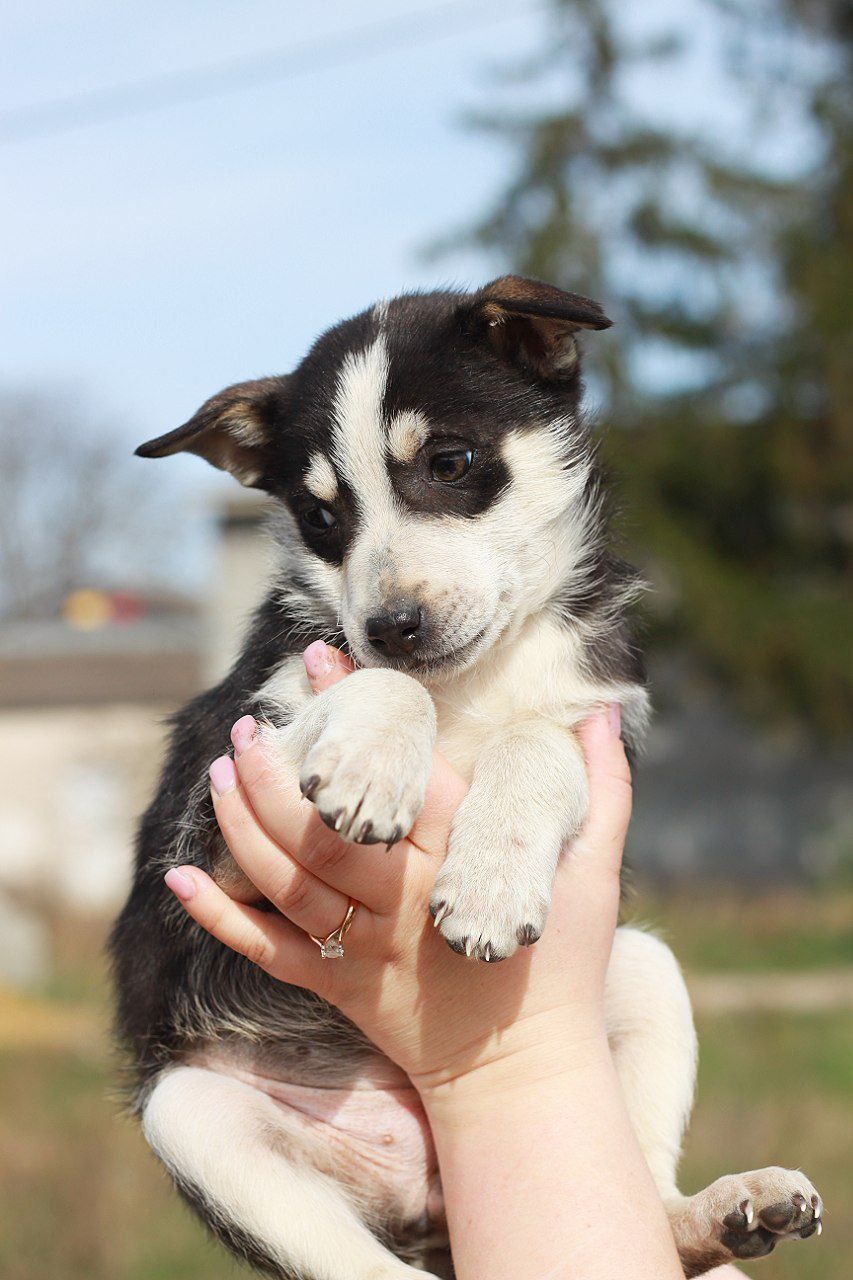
(358, 435)
(380, 716)
(320, 478)
(406, 433)
(235, 1144)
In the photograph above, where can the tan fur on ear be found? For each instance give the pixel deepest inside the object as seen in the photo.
(233, 430)
(533, 324)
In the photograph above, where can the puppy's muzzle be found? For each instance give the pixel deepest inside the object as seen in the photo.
(397, 629)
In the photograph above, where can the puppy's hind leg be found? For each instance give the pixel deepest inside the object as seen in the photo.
(650, 1027)
(650, 1024)
(227, 1148)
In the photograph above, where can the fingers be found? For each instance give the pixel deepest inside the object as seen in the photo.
(308, 902)
(603, 837)
(325, 666)
(266, 939)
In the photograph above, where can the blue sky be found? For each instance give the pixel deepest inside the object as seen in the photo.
(151, 260)
(158, 257)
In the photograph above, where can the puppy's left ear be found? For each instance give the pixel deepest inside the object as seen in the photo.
(233, 430)
(533, 324)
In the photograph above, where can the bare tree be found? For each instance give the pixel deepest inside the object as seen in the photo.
(73, 509)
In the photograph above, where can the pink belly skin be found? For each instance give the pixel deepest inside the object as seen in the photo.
(380, 1131)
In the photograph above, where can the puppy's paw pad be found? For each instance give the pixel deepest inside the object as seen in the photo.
(753, 1212)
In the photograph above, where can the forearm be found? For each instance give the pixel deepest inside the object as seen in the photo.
(546, 1181)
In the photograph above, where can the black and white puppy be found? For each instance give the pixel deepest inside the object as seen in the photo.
(441, 515)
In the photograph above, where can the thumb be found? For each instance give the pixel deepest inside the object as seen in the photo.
(325, 666)
(601, 841)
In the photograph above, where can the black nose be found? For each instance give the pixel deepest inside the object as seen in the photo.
(396, 630)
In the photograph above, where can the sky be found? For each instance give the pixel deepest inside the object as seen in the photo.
(153, 259)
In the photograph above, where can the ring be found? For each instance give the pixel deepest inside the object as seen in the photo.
(332, 947)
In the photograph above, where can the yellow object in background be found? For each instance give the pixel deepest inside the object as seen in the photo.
(87, 609)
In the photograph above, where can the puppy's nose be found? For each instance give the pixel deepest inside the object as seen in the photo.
(396, 630)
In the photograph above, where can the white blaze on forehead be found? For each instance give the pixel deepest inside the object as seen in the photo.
(359, 435)
(320, 478)
(406, 433)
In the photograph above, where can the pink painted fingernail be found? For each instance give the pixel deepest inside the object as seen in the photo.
(318, 659)
(182, 885)
(243, 734)
(614, 719)
(223, 775)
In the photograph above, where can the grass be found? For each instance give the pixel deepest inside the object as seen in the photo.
(83, 1199)
(712, 931)
(778, 1089)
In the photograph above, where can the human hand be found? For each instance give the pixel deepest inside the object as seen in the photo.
(436, 1015)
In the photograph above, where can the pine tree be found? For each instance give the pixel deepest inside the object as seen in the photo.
(727, 380)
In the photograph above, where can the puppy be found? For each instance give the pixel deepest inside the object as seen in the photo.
(441, 515)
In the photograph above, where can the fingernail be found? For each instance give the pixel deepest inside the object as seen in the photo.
(614, 719)
(223, 775)
(243, 734)
(318, 659)
(182, 885)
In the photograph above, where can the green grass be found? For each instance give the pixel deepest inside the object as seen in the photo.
(712, 931)
(82, 1197)
(778, 1089)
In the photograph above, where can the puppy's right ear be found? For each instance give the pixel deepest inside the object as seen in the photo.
(234, 431)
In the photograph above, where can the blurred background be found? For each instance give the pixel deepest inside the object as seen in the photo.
(190, 193)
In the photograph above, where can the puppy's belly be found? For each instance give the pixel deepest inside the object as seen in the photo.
(374, 1138)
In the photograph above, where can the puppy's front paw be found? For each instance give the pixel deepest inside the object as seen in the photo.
(487, 910)
(369, 790)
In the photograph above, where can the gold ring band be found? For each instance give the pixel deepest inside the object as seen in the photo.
(331, 947)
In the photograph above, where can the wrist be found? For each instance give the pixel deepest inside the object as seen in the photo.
(537, 1049)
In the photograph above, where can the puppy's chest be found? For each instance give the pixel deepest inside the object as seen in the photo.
(474, 711)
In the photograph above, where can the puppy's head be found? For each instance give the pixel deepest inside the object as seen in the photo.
(433, 476)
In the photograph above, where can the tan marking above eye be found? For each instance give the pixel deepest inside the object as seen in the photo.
(320, 478)
(406, 433)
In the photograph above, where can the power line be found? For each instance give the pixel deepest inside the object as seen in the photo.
(254, 71)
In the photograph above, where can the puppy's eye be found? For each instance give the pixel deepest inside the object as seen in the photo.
(319, 518)
(451, 465)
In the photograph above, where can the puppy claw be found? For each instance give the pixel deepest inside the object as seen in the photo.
(487, 953)
(310, 785)
(469, 946)
(748, 1212)
(438, 915)
(819, 1227)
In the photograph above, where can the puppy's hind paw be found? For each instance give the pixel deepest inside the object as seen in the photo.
(744, 1216)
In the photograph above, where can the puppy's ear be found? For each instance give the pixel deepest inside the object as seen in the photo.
(233, 430)
(533, 324)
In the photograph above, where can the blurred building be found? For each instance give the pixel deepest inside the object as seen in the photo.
(84, 700)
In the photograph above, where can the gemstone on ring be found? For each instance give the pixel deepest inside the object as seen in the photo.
(332, 947)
